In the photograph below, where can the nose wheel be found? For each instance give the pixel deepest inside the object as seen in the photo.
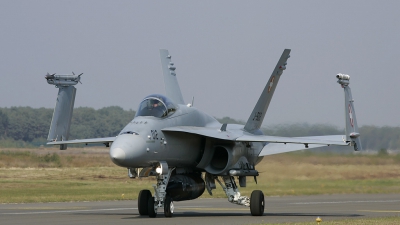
(168, 207)
(152, 207)
(143, 199)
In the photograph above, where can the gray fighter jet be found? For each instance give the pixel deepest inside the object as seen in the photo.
(187, 150)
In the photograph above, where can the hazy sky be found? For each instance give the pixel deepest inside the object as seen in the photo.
(224, 52)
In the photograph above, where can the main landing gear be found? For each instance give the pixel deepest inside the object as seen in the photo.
(148, 204)
(255, 202)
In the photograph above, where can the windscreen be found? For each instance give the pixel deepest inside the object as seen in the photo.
(156, 105)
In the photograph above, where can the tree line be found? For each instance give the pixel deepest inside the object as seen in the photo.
(26, 126)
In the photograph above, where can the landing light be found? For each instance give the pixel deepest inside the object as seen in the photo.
(159, 170)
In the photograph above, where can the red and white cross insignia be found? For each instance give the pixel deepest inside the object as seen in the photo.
(351, 116)
(271, 83)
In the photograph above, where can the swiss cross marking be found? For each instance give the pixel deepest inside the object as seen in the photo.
(271, 83)
(351, 116)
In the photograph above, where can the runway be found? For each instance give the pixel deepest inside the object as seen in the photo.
(206, 211)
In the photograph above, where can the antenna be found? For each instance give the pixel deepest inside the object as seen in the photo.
(190, 104)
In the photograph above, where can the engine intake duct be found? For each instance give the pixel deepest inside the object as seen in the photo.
(185, 187)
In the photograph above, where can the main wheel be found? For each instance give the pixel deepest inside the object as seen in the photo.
(257, 203)
(143, 199)
(150, 207)
(168, 207)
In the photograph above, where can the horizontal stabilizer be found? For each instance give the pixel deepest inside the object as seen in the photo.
(277, 148)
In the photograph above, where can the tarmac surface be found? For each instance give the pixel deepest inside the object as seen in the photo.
(206, 211)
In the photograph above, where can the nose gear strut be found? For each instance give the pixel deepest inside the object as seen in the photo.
(160, 198)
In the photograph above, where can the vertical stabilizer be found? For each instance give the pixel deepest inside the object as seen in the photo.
(61, 121)
(352, 134)
(257, 116)
(170, 81)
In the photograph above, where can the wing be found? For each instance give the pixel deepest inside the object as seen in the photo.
(274, 142)
(320, 140)
(106, 141)
(277, 148)
(211, 132)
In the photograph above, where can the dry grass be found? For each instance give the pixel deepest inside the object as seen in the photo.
(52, 157)
(43, 175)
(332, 167)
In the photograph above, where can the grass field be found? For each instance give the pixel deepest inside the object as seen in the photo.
(49, 175)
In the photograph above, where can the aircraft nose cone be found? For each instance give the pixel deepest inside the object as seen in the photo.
(128, 150)
(117, 155)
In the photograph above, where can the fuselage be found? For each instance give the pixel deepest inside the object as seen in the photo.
(142, 143)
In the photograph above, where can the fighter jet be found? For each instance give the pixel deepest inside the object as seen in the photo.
(189, 151)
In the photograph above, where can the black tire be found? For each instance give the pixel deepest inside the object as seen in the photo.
(150, 207)
(257, 203)
(168, 207)
(143, 199)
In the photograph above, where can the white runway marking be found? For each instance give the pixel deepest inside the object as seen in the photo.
(341, 202)
(86, 210)
(66, 211)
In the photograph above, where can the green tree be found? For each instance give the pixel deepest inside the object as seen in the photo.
(3, 124)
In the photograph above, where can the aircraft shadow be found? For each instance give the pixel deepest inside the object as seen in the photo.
(131, 215)
(235, 214)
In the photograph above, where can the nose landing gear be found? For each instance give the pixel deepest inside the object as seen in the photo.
(147, 204)
(168, 207)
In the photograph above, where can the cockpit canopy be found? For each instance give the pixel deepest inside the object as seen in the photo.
(156, 105)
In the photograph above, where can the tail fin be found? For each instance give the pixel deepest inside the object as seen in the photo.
(257, 116)
(170, 81)
(61, 121)
(352, 134)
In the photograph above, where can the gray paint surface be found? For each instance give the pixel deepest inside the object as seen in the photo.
(62, 115)
(172, 89)
(188, 138)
